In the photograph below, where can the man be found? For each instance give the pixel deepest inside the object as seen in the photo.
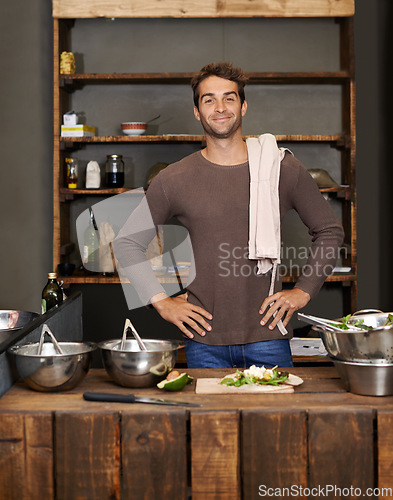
(227, 315)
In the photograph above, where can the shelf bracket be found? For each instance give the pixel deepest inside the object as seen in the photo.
(344, 143)
(67, 248)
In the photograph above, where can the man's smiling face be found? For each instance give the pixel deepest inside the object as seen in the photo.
(220, 110)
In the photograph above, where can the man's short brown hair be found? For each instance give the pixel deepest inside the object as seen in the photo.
(222, 70)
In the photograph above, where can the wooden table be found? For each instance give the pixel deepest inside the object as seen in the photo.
(57, 445)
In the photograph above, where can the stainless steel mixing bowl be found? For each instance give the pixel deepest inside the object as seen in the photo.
(11, 320)
(375, 346)
(132, 367)
(367, 379)
(51, 371)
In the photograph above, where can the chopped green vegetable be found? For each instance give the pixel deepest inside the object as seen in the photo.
(241, 378)
(389, 320)
(345, 325)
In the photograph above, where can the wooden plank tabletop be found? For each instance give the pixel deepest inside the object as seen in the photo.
(321, 389)
(57, 445)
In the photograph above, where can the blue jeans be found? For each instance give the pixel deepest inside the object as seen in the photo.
(268, 353)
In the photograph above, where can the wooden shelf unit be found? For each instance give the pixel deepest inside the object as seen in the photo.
(64, 11)
(81, 277)
(337, 140)
(75, 81)
(72, 9)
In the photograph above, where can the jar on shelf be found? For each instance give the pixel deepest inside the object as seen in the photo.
(71, 173)
(67, 63)
(114, 171)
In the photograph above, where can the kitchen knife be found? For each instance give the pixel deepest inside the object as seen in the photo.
(130, 398)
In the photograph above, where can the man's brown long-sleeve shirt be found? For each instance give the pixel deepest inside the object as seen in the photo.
(212, 202)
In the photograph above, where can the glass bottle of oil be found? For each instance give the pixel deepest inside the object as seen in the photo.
(91, 246)
(52, 294)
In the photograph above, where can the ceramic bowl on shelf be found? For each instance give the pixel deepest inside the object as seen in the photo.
(66, 269)
(134, 128)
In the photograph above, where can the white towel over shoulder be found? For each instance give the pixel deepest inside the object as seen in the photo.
(264, 245)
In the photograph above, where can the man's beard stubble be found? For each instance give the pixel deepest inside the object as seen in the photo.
(209, 131)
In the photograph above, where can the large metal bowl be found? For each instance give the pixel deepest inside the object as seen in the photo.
(366, 379)
(51, 371)
(375, 346)
(132, 367)
(11, 320)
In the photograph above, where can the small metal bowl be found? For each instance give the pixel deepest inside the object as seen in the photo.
(51, 371)
(366, 379)
(11, 320)
(132, 367)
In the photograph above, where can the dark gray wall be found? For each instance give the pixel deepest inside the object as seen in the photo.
(26, 157)
(25, 152)
(373, 44)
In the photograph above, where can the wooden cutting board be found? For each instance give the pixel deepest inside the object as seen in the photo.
(213, 386)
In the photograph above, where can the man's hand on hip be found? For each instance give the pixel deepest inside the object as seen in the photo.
(178, 311)
(284, 303)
